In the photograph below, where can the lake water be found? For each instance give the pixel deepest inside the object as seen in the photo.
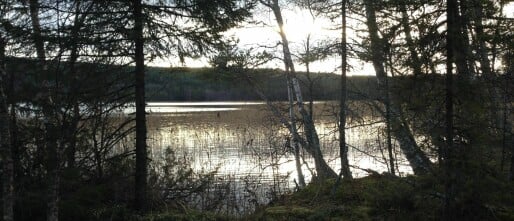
(242, 142)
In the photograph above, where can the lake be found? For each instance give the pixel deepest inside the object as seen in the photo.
(243, 144)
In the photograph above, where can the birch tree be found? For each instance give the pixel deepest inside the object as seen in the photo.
(312, 139)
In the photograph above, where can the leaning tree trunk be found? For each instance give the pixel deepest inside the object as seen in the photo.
(322, 169)
(283, 120)
(294, 130)
(7, 167)
(141, 152)
(489, 75)
(399, 126)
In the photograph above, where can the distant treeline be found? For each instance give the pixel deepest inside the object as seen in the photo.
(210, 84)
(96, 82)
(90, 83)
(182, 84)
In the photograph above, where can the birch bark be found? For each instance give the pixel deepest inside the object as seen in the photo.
(322, 169)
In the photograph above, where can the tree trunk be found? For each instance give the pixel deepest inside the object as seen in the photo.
(414, 63)
(308, 75)
(418, 160)
(283, 120)
(343, 148)
(74, 55)
(462, 48)
(97, 149)
(508, 140)
(451, 37)
(489, 75)
(5, 143)
(52, 158)
(322, 169)
(388, 129)
(509, 92)
(72, 136)
(36, 30)
(478, 14)
(51, 136)
(141, 152)
(511, 174)
(292, 118)
(15, 145)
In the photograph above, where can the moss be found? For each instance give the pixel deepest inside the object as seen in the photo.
(360, 213)
(190, 215)
(287, 212)
(368, 198)
(371, 198)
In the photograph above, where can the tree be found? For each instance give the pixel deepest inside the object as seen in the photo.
(322, 169)
(141, 175)
(212, 17)
(343, 148)
(65, 36)
(417, 159)
(50, 118)
(6, 155)
(451, 11)
(321, 53)
(296, 145)
(49, 39)
(80, 15)
(414, 59)
(508, 134)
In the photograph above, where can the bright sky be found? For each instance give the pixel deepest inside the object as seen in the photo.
(299, 24)
(255, 36)
(509, 10)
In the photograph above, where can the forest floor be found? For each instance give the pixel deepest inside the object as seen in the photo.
(385, 197)
(378, 197)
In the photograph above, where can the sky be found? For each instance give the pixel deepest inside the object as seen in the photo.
(298, 25)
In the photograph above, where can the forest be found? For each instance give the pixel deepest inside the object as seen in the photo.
(414, 122)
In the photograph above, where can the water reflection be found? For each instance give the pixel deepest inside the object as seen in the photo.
(242, 139)
(245, 146)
